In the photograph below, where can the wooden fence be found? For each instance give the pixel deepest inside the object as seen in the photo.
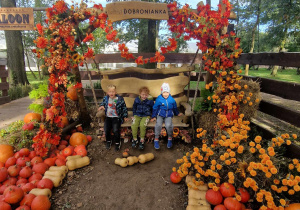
(286, 90)
(4, 86)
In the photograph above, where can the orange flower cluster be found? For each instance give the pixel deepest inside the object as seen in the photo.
(230, 156)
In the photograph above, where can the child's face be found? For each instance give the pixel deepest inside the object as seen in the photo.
(165, 95)
(144, 95)
(111, 92)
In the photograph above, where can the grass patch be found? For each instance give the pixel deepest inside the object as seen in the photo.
(36, 81)
(286, 75)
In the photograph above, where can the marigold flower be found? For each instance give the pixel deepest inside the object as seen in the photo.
(288, 142)
(173, 169)
(251, 144)
(274, 171)
(252, 150)
(282, 202)
(291, 166)
(294, 136)
(219, 167)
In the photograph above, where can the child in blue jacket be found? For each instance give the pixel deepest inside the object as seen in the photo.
(115, 112)
(164, 109)
(142, 110)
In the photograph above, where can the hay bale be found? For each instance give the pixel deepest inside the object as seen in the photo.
(253, 91)
(207, 121)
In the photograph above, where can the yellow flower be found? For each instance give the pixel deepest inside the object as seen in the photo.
(288, 142)
(268, 174)
(276, 181)
(251, 144)
(219, 167)
(253, 173)
(252, 150)
(227, 162)
(294, 136)
(274, 170)
(257, 139)
(282, 202)
(291, 166)
(245, 86)
(173, 169)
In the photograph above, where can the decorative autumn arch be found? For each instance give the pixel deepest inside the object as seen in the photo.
(57, 44)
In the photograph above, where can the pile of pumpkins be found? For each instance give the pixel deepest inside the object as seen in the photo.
(224, 198)
(26, 179)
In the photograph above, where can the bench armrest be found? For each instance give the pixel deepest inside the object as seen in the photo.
(188, 109)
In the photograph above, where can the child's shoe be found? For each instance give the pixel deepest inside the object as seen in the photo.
(118, 146)
(141, 146)
(134, 143)
(108, 145)
(170, 144)
(156, 144)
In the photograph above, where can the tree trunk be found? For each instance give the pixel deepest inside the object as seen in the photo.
(253, 36)
(283, 41)
(85, 118)
(147, 39)
(15, 52)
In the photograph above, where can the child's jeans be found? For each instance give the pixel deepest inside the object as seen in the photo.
(168, 125)
(114, 124)
(139, 122)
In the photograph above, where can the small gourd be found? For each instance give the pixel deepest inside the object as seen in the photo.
(78, 163)
(55, 179)
(38, 191)
(73, 157)
(123, 162)
(59, 168)
(132, 160)
(146, 157)
(60, 174)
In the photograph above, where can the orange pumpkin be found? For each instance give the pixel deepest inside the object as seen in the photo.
(64, 121)
(294, 206)
(78, 139)
(6, 151)
(32, 116)
(72, 93)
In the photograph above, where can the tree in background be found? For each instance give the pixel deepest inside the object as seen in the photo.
(282, 19)
(15, 52)
(29, 36)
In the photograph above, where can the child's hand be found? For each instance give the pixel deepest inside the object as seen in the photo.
(180, 114)
(126, 119)
(101, 108)
(153, 119)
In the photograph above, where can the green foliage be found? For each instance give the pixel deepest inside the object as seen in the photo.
(16, 136)
(205, 103)
(38, 94)
(19, 91)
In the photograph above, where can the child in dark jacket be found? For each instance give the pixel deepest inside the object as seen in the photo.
(115, 112)
(142, 110)
(164, 109)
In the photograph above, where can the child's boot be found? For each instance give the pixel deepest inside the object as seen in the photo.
(108, 144)
(118, 146)
(170, 143)
(156, 144)
(134, 143)
(141, 146)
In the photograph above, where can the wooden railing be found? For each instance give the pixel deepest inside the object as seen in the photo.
(286, 90)
(4, 86)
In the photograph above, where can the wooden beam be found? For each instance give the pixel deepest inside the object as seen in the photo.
(148, 71)
(4, 100)
(280, 112)
(4, 86)
(3, 73)
(169, 58)
(288, 59)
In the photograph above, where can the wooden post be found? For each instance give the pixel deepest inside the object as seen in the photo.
(4, 86)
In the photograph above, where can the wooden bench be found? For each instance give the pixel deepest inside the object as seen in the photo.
(129, 80)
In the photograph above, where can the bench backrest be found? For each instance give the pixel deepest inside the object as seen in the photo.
(129, 80)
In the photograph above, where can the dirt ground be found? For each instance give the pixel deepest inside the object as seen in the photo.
(105, 186)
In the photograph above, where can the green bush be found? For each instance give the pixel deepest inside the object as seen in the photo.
(38, 94)
(19, 91)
